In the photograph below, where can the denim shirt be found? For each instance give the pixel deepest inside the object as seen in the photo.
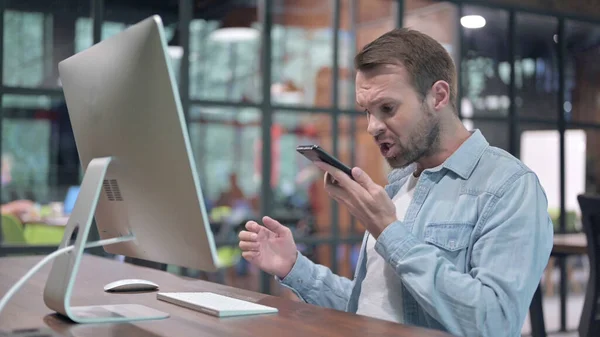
(470, 251)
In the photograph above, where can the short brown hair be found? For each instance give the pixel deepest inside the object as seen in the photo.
(425, 59)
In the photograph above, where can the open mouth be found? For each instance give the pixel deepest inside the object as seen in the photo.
(385, 148)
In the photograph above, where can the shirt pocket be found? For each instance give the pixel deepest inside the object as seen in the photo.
(452, 238)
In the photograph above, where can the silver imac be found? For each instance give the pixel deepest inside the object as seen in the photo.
(140, 178)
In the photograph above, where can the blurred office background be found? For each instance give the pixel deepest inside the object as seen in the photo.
(259, 77)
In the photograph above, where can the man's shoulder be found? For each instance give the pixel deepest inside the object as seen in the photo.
(496, 170)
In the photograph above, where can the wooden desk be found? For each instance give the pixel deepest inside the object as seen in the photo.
(27, 309)
(569, 244)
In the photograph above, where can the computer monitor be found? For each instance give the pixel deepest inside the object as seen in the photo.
(140, 177)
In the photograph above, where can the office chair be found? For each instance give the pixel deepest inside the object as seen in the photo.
(589, 324)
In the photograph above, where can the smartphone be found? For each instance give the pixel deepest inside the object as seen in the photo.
(316, 153)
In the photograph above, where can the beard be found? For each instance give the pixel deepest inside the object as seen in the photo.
(423, 141)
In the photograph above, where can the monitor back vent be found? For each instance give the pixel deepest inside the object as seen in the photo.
(111, 189)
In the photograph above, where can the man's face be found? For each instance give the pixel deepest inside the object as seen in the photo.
(403, 125)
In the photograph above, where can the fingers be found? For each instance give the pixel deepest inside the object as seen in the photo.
(270, 226)
(252, 226)
(346, 195)
(333, 189)
(274, 226)
(328, 179)
(248, 236)
(363, 179)
(249, 246)
(248, 242)
(335, 175)
(250, 255)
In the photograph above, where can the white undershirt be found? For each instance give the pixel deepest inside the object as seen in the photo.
(381, 291)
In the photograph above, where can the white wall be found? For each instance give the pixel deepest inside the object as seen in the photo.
(540, 152)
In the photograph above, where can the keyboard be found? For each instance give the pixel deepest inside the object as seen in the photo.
(214, 304)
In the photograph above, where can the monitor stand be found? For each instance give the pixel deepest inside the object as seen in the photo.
(59, 285)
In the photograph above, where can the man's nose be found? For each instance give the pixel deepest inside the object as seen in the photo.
(375, 126)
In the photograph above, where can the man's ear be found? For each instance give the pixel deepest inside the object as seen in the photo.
(441, 94)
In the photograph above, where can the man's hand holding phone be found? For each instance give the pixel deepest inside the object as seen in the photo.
(366, 200)
(352, 187)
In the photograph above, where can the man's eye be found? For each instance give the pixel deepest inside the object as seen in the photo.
(387, 108)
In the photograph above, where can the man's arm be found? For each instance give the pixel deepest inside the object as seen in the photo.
(316, 284)
(508, 258)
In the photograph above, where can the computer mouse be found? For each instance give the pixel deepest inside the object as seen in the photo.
(130, 285)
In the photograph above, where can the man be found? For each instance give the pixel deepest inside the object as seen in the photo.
(458, 239)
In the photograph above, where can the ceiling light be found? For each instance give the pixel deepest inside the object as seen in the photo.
(472, 21)
(234, 34)
(567, 106)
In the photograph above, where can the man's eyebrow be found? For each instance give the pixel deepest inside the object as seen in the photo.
(378, 100)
